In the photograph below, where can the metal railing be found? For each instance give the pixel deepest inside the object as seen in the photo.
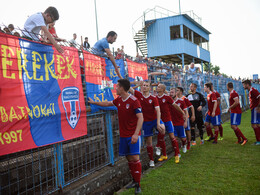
(158, 12)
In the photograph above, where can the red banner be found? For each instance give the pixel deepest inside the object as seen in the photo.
(41, 96)
(137, 70)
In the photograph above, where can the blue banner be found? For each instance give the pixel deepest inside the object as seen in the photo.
(110, 70)
(101, 79)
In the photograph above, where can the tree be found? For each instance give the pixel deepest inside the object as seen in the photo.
(215, 70)
(207, 67)
(224, 75)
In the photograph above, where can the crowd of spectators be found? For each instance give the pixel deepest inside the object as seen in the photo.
(172, 74)
(10, 30)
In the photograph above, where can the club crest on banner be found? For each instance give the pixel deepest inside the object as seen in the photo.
(70, 102)
(139, 78)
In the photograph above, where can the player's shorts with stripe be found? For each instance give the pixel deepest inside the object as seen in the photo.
(235, 119)
(179, 132)
(126, 148)
(148, 127)
(188, 126)
(255, 116)
(215, 121)
(169, 127)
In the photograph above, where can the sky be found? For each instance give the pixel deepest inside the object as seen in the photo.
(234, 25)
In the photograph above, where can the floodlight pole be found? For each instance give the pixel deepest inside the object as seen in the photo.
(180, 7)
(96, 19)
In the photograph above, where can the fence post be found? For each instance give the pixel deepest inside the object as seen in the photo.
(110, 137)
(59, 167)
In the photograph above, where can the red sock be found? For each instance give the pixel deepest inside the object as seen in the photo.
(209, 131)
(257, 133)
(255, 130)
(163, 146)
(137, 171)
(130, 164)
(188, 145)
(240, 134)
(216, 136)
(183, 142)
(150, 152)
(158, 141)
(160, 137)
(161, 143)
(175, 146)
(220, 130)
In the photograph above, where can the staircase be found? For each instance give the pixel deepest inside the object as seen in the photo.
(140, 38)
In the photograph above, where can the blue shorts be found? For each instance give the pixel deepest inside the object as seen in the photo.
(179, 132)
(255, 117)
(207, 119)
(169, 127)
(148, 127)
(215, 121)
(126, 148)
(188, 125)
(235, 119)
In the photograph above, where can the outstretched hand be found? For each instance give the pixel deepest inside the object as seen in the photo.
(90, 101)
(59, 49)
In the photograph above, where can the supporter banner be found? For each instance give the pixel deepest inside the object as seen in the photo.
(41, 96)
(101, 79)
(224, 102)
(137, 71)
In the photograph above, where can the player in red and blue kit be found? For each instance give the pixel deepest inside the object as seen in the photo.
(235, 114)
(179, 93)
(177, 119)
(130, 123)
(254, 98)
(213, 114)
(165, 102)
(152, 116)
(219, 102)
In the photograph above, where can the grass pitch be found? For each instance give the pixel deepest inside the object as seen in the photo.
(223, 168)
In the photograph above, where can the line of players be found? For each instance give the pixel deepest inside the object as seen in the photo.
(142, 110)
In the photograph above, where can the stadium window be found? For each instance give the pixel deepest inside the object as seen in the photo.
(205, 44)
(197, 39)
(186, 33)
(175, 32)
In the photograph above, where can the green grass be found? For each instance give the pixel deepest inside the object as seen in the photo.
(223, 168)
